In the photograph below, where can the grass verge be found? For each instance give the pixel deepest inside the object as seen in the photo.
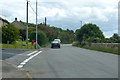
(19, 45)
(102, 49)
(108, 50)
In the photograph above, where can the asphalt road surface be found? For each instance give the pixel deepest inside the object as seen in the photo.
(8, 53)
(67, 62)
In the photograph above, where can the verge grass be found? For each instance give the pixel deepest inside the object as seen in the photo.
(20, 45)
(102, 49)
(107, 50)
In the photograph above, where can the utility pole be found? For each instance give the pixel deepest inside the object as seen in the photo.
(27, 25)
(36, 24)
(45, 20)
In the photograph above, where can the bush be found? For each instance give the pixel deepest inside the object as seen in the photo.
(42, 39)
(9, 33)
(34, 46)
(76, 44)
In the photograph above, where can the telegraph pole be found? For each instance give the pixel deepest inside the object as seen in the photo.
(45, 20)
(27, 25)
(36, 24)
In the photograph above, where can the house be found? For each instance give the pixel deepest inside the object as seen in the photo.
(3, 22)
(18, 24)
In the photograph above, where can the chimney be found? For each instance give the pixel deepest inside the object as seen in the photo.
(15, 19)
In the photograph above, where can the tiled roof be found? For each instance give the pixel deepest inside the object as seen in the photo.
(18, 24)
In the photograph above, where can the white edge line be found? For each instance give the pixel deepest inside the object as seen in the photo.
(26, 60)
(31, 53)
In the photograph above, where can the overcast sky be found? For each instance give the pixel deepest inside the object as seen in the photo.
(66, 13)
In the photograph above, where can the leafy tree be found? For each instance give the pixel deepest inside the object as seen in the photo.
(55, 32)
(46, 30)
(115, 36)
(31, 29)
(114, 39)
(90, 33)
(9, 33)
(42, 39)
(22, 33)
(66, 37)
(52, 32)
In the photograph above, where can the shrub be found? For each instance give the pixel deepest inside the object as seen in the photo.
(34, 46)
(9, 33)
(76, 44)
(42, 39)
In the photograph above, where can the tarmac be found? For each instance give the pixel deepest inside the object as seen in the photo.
(11, 71)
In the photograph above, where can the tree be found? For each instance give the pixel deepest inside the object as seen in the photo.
(22, 33)
(66, 37)
(9, 33)
(90, 33)
(42, 39)
(46, 30)
(55, 32)
(115, 38)
(31, 29)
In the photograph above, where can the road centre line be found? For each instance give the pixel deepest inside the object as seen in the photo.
(31, 53)
(28, 59)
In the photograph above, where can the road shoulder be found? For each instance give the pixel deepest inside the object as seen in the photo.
(11, 71)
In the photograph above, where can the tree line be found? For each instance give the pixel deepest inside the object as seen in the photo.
(46, 34)
(88, 33)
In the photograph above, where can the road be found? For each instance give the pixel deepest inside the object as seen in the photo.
(7, 53)
(67, 62)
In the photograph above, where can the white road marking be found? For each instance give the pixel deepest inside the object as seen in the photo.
(25, 61)
(31, 53)
(20, 66)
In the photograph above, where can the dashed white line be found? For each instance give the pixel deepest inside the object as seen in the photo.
(31, 53)
(25, 61)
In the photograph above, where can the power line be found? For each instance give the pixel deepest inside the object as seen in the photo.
(33, 10)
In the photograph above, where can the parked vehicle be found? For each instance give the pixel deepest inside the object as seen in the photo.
(55, 44)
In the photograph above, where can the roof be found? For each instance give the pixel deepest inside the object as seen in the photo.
(4, 20)
(18, 24)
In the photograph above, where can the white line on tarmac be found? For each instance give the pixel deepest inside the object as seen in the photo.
(31, 53)
(25, 61)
